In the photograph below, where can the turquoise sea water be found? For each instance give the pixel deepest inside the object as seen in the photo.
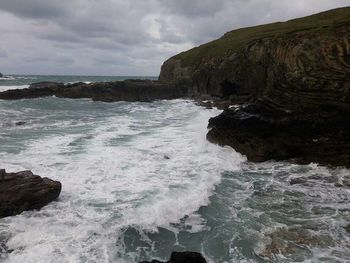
(140, 181)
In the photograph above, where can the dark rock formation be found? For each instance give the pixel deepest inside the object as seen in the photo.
(1, 75)
(46, 84)
(263, 134)
(25, 191)
(129, 90)
(182, 257)
(296, 78)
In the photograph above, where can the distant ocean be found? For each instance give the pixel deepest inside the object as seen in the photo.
(140, 180)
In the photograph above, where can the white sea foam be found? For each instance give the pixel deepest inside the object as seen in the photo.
(135, 172)
(144, 169)
(4, 88)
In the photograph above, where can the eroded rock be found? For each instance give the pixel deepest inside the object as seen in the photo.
(25, 191)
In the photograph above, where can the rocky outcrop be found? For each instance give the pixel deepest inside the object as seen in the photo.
(182, 257)
(25, 191)
(129, 90)
(46, 84)
(295, 76)
(1, 75)
(263, 134)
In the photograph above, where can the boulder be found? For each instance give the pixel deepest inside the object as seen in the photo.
(25, 191)
(182, 257)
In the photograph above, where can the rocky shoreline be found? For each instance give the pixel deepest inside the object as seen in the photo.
(295, 77)
(128, 90)
(289, 83)
(291, 80)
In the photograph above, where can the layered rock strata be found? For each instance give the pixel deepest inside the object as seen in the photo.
(295, 76)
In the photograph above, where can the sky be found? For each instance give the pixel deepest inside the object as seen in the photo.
(125, 37)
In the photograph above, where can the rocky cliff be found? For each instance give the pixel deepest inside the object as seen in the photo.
(295, 75)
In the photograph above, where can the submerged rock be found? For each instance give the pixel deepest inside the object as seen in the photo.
(293, 242)
(25, 191)
(182, 257)
(128, 90)
(20, 123)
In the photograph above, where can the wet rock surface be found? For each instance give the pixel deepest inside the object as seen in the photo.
(264, 134)
(25, 191)
(128, 90)
(182, 257)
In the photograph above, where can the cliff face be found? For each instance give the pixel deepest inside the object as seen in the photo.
(286, 60)
(295, 74)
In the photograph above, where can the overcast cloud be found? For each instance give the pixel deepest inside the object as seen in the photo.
(125, 37)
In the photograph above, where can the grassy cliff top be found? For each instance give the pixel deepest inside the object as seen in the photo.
(236, 39)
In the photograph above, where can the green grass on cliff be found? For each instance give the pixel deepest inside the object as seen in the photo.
(234, 40)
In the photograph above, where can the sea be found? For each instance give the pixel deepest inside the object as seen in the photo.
(140, 180)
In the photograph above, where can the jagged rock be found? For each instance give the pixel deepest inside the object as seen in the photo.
(25, 191)
(129, 90)
(182, 257)
(263, 134)
(1, 75)
(299, 70)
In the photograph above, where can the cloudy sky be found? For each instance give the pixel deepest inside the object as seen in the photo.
(125, 37)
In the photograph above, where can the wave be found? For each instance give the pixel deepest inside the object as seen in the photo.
(127, 169)
(4, 88)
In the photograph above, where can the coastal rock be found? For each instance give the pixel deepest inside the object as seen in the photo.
(182, 257)
(295, 76)
(25, 191)
(129, 90)
(45, 84)
(1, 75)
(263, 134)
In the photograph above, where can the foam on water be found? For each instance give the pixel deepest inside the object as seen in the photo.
(4, 88)
(132, 169)
(140, 180)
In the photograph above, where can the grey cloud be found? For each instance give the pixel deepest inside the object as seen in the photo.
(193, 8)
(122, 36)
(36, 8)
